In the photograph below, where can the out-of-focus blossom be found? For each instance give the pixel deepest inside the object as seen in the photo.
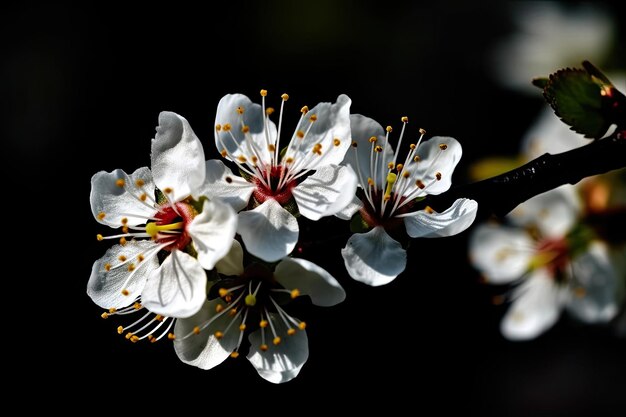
(390, 191)
(304, 178)
(252, 299)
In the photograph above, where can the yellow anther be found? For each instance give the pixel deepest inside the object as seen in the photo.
(405, 119)
(378, 148)
(107, 267)
(313, 118)
(120, 329)
(390, 165)
(168, 190)
(285, 96)
(429, 210)
(112, 310)
(443, 146)
(224, 153)
(420, 184)
(125, 229)
(101, 216)
(99, 237)
(120, 183)
(269, 111)
(497, 300)
(295, 293)
(263, 323)
(134, 339)
(228, 298)
(239, 110)
(153, 229)
(245, 129)
(304, 109)
(412, 146)
(302, 325)
(232, 312)
(277, 340)
(104, 315)
(406, 174)
(291, 331)
(125, 292)
(124, 221)
(137, 305)
(128, 335)
(140, 182)
(122, 258)
(250, 300)
(159, 318)
(580, 292)
(234, 354)
(399, 167)
(336, 141)
(416, 158)
(131, 267)
(171, 336)
(263, 93)
(300, 134)
(143, 197)
(254, 160)
(389, 129)
(151, 338)
(196, 330)
(218, 335)
(370, 182)
(438, 176)
(219, 308)
(373, 139)
(289, 160)
(317, 149)
(271, 147)
(422, 131)
(218, 127)
(242, 327)
(354, 144)
(264, 347)
(223, 292)
(140, 258)
(226, 127)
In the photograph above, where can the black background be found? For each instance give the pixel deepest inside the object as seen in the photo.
(85, 86)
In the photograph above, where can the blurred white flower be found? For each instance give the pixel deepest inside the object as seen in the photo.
(389, 193)
(558, 265)
(253, 299)
(304, 178)
(195, 234)
(550, 36)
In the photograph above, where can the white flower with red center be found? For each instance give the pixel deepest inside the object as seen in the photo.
(252, 300)
(183, 235)
(390, 191)
(561, 265)
(305, 177)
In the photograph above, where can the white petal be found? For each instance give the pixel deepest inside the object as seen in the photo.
(310, 280)
(280, 363)
(269, 231)
(454, 220)
(177, 157)
(438, 155)
(253, 118)
(554, 212)
(105, 288)
(374, 258)
(177, 288)
(550, 135)
(204, 350)
(232, 263)
(122, 202)
(333, 122)
(537, 306)
(502, 254)
(212, 232)
(326, 192)
(222, 183)
(360, 158)
(594, 286)
(348, 211)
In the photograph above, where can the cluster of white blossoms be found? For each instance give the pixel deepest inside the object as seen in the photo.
(186, 217)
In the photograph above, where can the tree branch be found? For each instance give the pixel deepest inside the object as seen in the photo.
(501, 194)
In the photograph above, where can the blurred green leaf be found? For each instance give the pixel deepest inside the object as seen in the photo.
(540, 82)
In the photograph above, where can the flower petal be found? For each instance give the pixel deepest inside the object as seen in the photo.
(212, 232)
(283, 362)
(374, 258)
(105, 287)
(537, 305)
(439, 156)
(331, 131)
(269, 231)
(311, 280)
(550, 135)
(454, 220)
(177, 288)
(554, 212)
(116, 195)
(204, 350)
(232, 263)
(502, 254)
(253, 118)
(326, 192)
(222, 183)
(360, 157)
(177, 157)
(594, 286)
(348, 211)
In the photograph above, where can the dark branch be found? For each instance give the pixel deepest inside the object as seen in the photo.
(501, 194)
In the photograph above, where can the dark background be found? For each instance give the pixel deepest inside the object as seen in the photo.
(85, 86)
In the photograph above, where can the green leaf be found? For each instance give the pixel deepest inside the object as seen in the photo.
(540, 82)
